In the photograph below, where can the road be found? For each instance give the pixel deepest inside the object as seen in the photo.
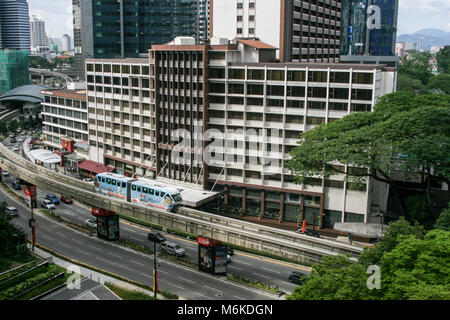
(256, 268)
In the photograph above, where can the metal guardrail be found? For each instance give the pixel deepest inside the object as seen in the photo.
(193, 221)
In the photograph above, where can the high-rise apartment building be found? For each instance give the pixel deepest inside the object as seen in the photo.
(66, 43)
(38, 35)
(369, 31)
(119, 29)
(203, 21)
(224, 116)
(303, 30)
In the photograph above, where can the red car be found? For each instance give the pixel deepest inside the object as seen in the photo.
(66, 200)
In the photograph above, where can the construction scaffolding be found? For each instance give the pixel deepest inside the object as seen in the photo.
(14, 72)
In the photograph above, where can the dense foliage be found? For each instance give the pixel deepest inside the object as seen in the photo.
(13, 241)
(413, 266)
(407, 133)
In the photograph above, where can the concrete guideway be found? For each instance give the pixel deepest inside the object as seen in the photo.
(271, 240)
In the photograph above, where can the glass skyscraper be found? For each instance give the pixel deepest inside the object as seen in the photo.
(127, 28)
(360, 37)
(14, 44)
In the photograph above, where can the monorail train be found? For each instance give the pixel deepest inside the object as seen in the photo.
(137, 190)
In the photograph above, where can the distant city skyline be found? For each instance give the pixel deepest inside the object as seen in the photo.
(414, 15)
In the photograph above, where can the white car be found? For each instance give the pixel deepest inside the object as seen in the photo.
(5, 173)
(47, 204)
(88, 180)
(16, 148)
(21, 140)
(91, 223)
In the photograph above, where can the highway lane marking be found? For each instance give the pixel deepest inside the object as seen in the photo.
(184, 279)
(64, 245)
(104, 260)
(85, 253)
(126, 268)
(271, 270)
(135, 239)
(174, 285)
(203, 296)
(212, 289)
(115, 255)
(248, 264)
(260, 275)
(161, 271)
(77, 241)
(95, 248)
(138, 263)
(233, 267)
(166, 262)
(239, 297)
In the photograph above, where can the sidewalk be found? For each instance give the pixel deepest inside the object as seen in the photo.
(93, 275)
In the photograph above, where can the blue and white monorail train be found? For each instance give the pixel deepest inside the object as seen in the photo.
(137, 190)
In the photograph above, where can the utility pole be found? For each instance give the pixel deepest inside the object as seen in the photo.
(155, 273)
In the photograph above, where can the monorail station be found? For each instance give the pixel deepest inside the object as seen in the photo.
(192, 196)
(42, 157)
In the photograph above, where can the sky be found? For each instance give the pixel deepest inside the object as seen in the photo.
(414, 15)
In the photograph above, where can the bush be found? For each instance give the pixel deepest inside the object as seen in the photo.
(126, 294)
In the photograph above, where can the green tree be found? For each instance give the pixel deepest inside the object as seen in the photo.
(443, 222)
(417, 263)
(371, 256)
(443, 60)
(3, 128)
(408, 83)
(417, 66)
(38, 62)
(13, 245)
(336, 278)
(413, 266)
(407, 133)
(441, 82)
(13, 126)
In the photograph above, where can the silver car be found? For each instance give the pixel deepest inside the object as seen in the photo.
(91, 223)
(172, 248)
(47, 204)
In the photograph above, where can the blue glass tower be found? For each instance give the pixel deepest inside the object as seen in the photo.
(362, 35)
(127, 28)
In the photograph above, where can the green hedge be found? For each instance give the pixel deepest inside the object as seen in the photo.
(17, 271)
(28, 283)
(126, 294)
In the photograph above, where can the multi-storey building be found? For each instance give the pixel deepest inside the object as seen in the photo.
(14, 44)
(203, 21)
(225, 116)
(119, 29)
(66, 43)
(304, 30)
(369, 31)
(15, 24)
(64, 115)
(38, 35)
(122, 125)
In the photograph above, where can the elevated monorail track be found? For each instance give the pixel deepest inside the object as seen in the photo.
(304, 249)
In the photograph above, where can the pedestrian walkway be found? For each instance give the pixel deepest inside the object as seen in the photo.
(93, 275)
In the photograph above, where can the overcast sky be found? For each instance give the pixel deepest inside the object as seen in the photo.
(414, 15)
